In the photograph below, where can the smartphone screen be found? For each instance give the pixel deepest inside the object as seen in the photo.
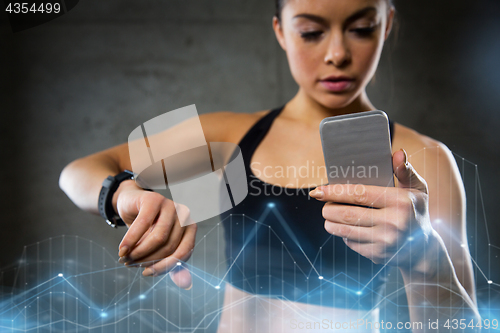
(357, 149)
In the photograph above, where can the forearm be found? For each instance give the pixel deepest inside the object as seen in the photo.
(434, 291)
(82, 179)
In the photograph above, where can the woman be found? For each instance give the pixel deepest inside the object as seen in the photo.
(333, 48)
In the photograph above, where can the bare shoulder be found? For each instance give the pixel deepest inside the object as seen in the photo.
(227, 126)
(419, 147)
(434, 162)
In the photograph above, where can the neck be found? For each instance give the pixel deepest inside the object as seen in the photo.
(309, 111)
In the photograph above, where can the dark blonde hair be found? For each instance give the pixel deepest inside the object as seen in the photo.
(281, 3)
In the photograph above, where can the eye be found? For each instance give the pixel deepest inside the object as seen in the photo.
(311, 35)
(363, 32)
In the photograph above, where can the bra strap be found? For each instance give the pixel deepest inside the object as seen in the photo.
(258, 131)
(256, 134)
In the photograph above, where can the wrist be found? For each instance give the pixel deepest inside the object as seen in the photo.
(124, 186)
(431, 261)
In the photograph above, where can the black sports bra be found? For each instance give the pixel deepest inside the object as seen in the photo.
(276, 244)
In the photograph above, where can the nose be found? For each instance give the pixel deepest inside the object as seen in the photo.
(338, 53)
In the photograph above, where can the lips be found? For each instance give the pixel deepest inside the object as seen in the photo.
(337, 83)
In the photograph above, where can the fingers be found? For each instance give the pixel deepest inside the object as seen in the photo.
(360, 195)
(354, 233)
(156, 234)
(148, 212)
(182, 253)
(399, 159)
(373, 196)
(406, 174)
(371, 251)
(181, 277)
(163, 239)
(354, 215)
(164, 250)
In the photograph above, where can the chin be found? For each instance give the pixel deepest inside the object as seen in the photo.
(336, 101)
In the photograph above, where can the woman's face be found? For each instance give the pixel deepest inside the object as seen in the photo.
(333, 46)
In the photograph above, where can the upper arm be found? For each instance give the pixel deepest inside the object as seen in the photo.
(447, 204)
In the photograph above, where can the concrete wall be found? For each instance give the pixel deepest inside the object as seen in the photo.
(82, 82)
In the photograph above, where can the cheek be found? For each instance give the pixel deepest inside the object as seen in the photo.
(366, 57)
(303, 63)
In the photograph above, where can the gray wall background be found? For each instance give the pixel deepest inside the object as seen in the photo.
(81, 83)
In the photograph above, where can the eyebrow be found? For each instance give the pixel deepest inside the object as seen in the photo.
(352, 18)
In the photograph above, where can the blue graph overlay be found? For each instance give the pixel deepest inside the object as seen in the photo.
(71, 284)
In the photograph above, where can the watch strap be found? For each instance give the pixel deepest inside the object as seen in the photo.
(108, 189)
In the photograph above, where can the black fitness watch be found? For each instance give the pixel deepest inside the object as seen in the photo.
(109, 187)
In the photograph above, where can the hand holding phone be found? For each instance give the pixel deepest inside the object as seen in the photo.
(375, 221)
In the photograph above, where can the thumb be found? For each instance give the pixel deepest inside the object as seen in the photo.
(406, 174)
(181, 277)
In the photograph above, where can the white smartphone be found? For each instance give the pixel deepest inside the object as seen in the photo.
(357, 149)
